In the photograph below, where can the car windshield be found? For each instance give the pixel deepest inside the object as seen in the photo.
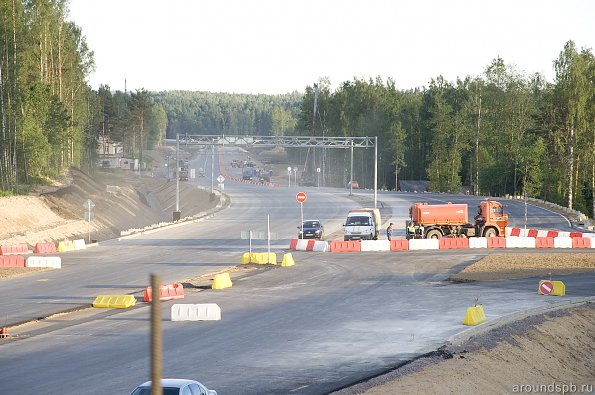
(147, 391)
(361, 221)
(311, 224)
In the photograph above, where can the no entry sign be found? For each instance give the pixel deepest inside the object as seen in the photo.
(546, 287)
(301, 197)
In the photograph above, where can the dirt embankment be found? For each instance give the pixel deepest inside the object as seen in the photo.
(548, 353)
(121, 199)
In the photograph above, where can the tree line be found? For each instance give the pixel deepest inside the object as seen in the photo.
(499, 133)
(503, 132)
(50, 119)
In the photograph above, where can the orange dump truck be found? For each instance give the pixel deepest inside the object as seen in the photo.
(434, 221)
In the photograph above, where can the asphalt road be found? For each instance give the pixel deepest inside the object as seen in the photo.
(327, 322)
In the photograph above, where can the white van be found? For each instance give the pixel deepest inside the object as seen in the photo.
(362, 224)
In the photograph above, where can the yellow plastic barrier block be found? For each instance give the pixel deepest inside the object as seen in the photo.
(287, 260)
(65, 245)
(114, 301)
(558, 289)
(261, 258)
(222, 281)
(475, 315)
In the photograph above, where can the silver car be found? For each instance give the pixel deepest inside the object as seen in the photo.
(175, 387)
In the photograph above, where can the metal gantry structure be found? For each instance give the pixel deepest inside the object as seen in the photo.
(287, 142)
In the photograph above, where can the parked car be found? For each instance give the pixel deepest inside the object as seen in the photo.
(311, 229)
(175, 387)
(354, 185)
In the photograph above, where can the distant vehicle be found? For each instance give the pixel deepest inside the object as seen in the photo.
(308, 180)
(248, 174)
(183, 174)
(201, 172)
(311, 229)
(175, 387)
(362, 224)
(354, 185)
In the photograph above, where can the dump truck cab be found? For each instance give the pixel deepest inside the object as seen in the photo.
(491, 220)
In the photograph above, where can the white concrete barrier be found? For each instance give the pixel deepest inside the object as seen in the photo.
(520, 242)
(54, 262)
(507, 231)
(320, 246)
(79, 244)
(375, 245)
(542, 233)
(563, 234)
(479, 242)
(196, 312)
(424, 244)
(562, 242)
(301, 244)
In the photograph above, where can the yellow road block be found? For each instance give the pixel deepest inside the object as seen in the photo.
(287, 260)
(222, 281)
(475, 315)
(114, 301)
(559, 288)
(65, 245)
(261, 258)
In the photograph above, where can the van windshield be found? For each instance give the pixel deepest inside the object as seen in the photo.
(358, 221)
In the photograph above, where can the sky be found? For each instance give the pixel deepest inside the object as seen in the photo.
(281, 46)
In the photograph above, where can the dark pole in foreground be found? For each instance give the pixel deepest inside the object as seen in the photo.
(156, 345)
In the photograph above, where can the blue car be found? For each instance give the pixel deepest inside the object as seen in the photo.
(311, 229)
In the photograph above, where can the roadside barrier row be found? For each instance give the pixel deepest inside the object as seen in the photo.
(44, 247)
(442, 244)
(522, 232)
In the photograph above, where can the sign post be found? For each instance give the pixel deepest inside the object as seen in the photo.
(289, 176)
(88, 206)
(301, 198)
(318, 174)
(221, 180)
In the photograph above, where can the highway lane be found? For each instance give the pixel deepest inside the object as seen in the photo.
(123, 267)
(330, 320)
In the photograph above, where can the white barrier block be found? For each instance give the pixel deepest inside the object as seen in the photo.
(524, 232)
(54, 262)
(478, 242)
(520, 242)
(320, 246)
(424, 244)
(563, 234)
(542, 233)
(375, 245)
(589, 235)
(562, 242)
(196, 312)
(507, 231)
(79, 244)
(301, 245)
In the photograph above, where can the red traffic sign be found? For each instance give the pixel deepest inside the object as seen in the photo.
(301, 197)
(546, 287)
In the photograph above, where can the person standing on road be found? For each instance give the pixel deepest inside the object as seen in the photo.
(389, 231)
